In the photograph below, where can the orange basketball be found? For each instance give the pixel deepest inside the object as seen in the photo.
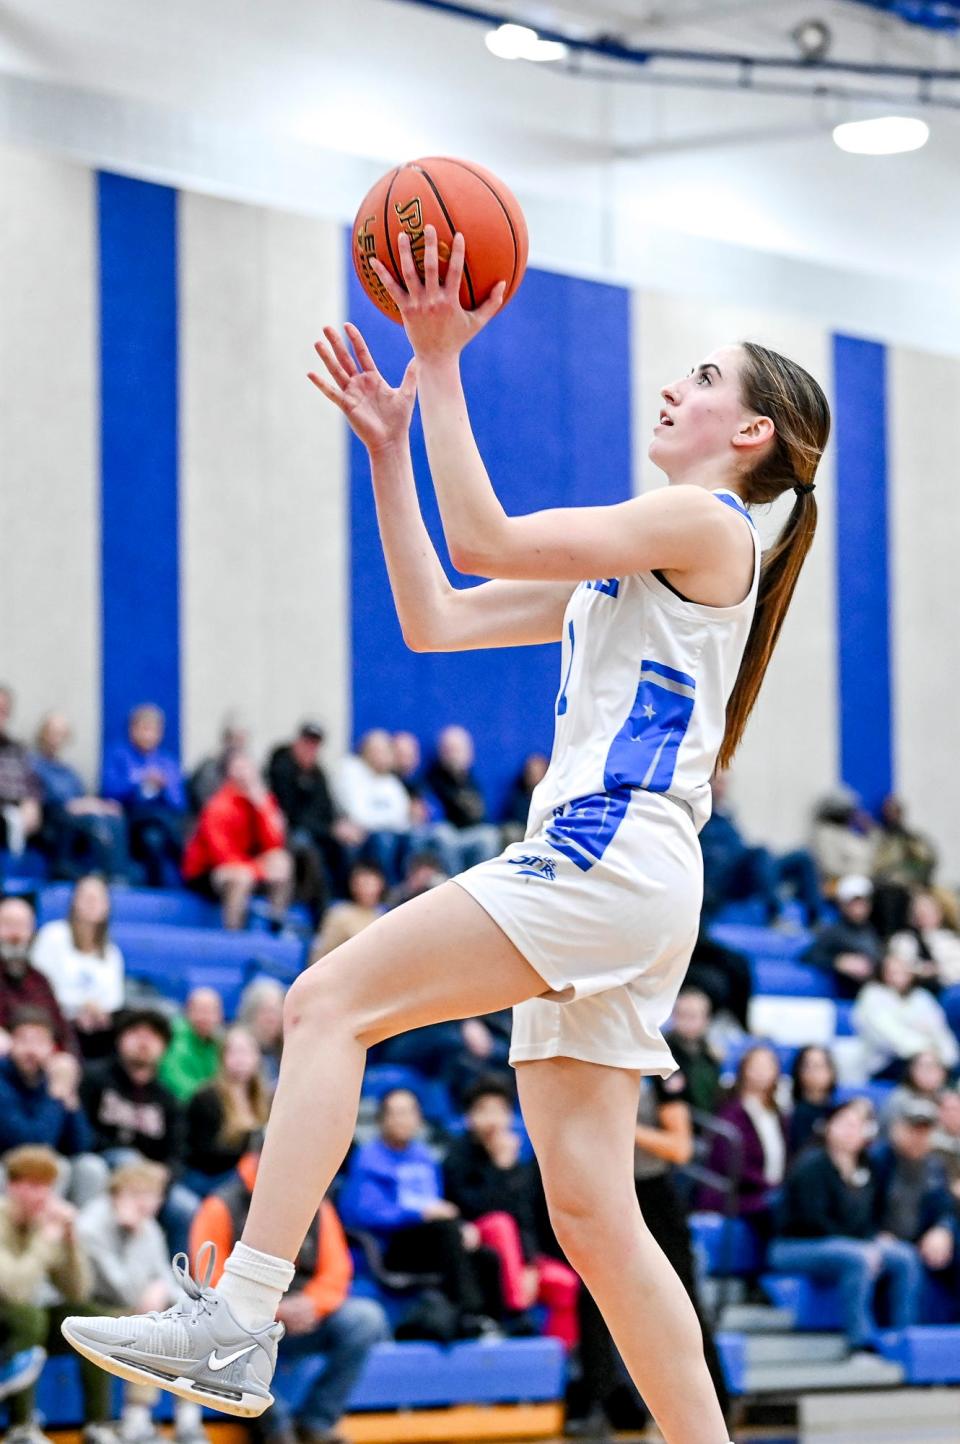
(453, 195)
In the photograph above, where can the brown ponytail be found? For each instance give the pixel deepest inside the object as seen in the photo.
(771, 385)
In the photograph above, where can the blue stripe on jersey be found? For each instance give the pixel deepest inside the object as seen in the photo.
(737, 505)
(562, 699)
(610, 586)
(644, 751)
(583, 829)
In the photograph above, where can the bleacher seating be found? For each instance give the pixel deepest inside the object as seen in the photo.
(927, 1355)
(397, 1376)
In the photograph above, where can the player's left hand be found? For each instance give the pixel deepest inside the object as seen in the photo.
(378, 412)
(433, 317)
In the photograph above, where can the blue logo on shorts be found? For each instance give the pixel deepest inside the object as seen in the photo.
(531, 866)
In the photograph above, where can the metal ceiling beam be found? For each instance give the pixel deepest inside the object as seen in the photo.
(610, 48)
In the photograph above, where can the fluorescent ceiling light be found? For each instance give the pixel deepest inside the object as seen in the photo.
(519, 42)
(887, 135)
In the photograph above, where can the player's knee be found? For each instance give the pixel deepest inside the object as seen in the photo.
(572, 1209)
(312, 1003)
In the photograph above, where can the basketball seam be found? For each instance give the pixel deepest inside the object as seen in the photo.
(398, 274)
(509, 218)
(453, 230)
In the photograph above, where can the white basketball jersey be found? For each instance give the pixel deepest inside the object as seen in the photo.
(645, 678)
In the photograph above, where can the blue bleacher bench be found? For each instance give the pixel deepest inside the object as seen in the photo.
(396, 1376)
(728, 1246)
(815, 1306)
(927, 1354)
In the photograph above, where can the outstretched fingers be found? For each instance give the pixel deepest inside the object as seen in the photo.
(360, 347)
(341, 350)
(394, 290)
(331, 361)
(408, 268)
(330, 392)
(458, 259)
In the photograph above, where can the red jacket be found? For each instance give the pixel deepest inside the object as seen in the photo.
(231, 829)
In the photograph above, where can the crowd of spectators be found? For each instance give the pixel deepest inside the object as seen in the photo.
(130, 1129)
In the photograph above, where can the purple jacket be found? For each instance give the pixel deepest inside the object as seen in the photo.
(755, 1193)
(124, 778)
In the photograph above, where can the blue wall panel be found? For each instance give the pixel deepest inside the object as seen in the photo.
(548, 384)
(863, 568)
(138, 378)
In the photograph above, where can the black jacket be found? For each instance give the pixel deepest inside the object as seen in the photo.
(458, 794)
(205, 1151)
(304, 796)
(124, 1115)
(473, 1182)
(817, 1202)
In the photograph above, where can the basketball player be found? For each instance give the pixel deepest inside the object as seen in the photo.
(668, 616)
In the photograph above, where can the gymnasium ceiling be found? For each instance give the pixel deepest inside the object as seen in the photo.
(375, 79)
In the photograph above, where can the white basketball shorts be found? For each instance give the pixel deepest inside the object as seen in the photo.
(603, 900)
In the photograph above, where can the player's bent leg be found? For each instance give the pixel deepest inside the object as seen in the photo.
(582, 1122)
(438, 957)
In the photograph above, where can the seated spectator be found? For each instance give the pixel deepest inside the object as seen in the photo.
(193, 1057)
(914, 1203)
(393, 1191)
(758, 1165)
(688, 1042)
(21, 812)
(422, 871)
(319, 1316)
(896, 1018)
(456, 1053)
(484, 1176)
(84, 967)
(261, 1011)
(517, 808)
(827, 1228)
(133, 1115)
(366, 886)
(844, 837)
(376, 801)
(733, 870)
(40, 1103)
(148, 784)
(849, 949)
(226, 1118)
(903, 860)
(464, 836)
(924, 1077)
(406, 764)
(81, 833)
(814, 1079)
(321, 839)
(946, 1139)
(209, 775)
(934, 924)
(41, 1257)
(132, 1275)
(238, 848)
(21, 984)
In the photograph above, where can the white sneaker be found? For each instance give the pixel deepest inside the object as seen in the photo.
(195, 1350)
(26, 1434)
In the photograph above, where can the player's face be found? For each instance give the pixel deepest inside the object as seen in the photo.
(700, 415)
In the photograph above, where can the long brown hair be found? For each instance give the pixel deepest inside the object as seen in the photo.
(233, 1130)
(772, 385)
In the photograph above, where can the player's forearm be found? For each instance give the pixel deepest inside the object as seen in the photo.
(417, 580)
(474, 522)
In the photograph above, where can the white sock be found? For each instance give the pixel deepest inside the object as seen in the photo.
(253, 1284)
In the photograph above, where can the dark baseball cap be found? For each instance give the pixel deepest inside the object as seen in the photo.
(314, 730)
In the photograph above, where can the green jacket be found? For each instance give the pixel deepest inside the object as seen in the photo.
(189, 1062)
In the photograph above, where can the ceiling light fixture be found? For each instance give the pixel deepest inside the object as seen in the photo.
(813, 39)
(887, 135)
(519, 42)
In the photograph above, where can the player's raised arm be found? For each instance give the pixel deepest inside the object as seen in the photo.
(668, 529)
(434, 616)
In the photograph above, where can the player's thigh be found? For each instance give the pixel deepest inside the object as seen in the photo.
(435, 958)
(582, 1119)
